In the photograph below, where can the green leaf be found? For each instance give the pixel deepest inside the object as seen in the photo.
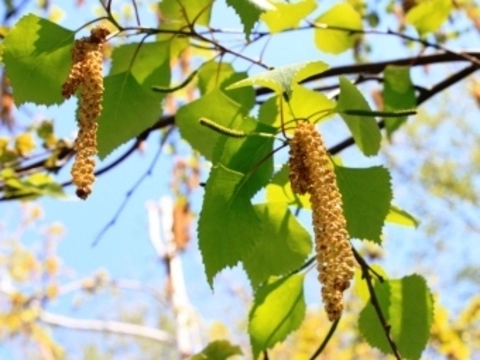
(398, 94)
(287, 16)
(218, 350)
(407, 305)
(280, 191)
(342, 15)
(37, 58)
(228, 226)
(149, 63)
(360, 285)
(250, 155)
(282, 78)
(401, 217)
(278, 310)
(180, 12)
(128, 109)
(214, 75)
(364, 129)
(428, 15)
(283, 246)
(215, 106)
(306, 104)
(366, 195)
(249, 14)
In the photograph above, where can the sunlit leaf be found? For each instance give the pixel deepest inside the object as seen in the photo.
(287, 16)
(280, 191)
(278, 310)
(343, 17)
(428, 15)
(401, 217)
(249, 13)
(218, 350)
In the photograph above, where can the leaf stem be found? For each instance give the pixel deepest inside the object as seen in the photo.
(325, 341)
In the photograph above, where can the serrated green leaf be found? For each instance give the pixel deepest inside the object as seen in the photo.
(282, 78)
(401, 217)
(180, 12)
(218, 350)
(149, 63)
(428, 15)
(283, 246)
(249, 13)
(342, 15)
(215, 106)
(366, 196)
(364, 129)
(214, 75)
(37, 58)
(228, 226)
(250, 155)
(278, 310)
(287, 16)
(398, 94)
(407, 305)
(280, 191)
(128, 109)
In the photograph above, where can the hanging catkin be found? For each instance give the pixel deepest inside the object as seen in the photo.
(311, 172)
(86, 76)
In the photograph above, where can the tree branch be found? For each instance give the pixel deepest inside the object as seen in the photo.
(375, 303)
(325, 341)
(114, 327)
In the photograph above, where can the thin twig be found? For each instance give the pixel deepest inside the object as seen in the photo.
(325, 341)
(376, 304)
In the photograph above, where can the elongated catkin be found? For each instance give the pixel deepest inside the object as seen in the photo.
(86, 75)
(312, 173)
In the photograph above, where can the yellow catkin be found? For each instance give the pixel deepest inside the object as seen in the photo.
(86, 77)
(312, 173)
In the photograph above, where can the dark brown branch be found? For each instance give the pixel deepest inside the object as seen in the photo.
(325, 341)
(375, 303)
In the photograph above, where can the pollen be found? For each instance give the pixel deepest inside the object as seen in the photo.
(86, 80)
(311, 172)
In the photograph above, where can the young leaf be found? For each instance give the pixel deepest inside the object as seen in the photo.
(282, 78)
(333, 41)
(249, 13)
(398, 94)
(127, 110)
(366, 195)
(37, 58)
(278, 310)
(283, 246)
(287, 16)
(226, 203)
(407, 305)
(32, 187)
(364, 129)
(280, 191)
(218, 350)
(401, 217)
(428, 16)
(215, 106)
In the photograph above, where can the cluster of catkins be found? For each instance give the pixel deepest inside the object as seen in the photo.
(86, 76)
(312, 173)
